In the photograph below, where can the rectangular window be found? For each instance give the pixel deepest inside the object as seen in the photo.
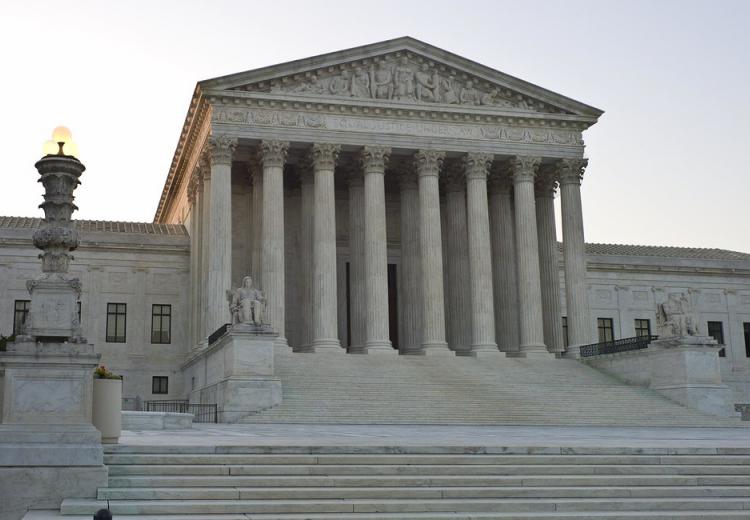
(116, 322)
(161, 323)
(160, 385)
(716, 331)
(78, 309)
(642, 327)
(746, 329)
(565, 330)
(20, 311)
(606, 329)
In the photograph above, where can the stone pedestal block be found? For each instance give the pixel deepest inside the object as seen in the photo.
(236, 373)
(686, 370)
(54, 311)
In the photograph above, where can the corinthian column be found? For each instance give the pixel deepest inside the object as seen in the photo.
(272, 156)
(410, 286)
(325, 309)
(221, 149)
(458, 290)
(377, 339)
(428, 163)
(307, 182)
(548, 264)
(357, 293)
(257, 220)
(502, 237)
(570, 172)
(204, 169)
(527, 251)
(476, 168)
(195, 194)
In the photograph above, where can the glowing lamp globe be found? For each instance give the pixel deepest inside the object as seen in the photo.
(61, 143)
(61, 134)
(50, 147)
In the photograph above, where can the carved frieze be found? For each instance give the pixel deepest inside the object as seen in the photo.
(401, 77)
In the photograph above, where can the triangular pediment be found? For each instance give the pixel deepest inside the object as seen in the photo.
(400, 71)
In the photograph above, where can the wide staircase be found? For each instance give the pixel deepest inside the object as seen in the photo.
(421, 483)
(356, 389)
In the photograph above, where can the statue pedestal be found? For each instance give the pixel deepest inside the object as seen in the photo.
(686, 370)
(236, 373)
(49, 449)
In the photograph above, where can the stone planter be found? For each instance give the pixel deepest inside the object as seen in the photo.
(107, 409)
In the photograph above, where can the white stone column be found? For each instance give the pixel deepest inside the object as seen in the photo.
(221, 148)
(458, 291)
(357, 292)
(194, 193)
(428, 163)
(272, 156)
(527, 251)
(502, 237)
(410, 287)
(374, 159)
(307, 182)
(570, 172)
(546, 184)
(205, 231)
(325, 304)
(476, 168)
(257, 222)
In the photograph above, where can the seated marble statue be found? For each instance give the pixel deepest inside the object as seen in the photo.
(247, 304)
(675, 317)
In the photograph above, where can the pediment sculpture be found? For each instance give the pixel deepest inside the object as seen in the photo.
(403, 79)
(247, 304)
(676, 317)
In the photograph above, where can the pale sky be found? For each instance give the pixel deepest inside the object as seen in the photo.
(667, 160)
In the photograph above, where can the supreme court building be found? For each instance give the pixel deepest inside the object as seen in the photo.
(388, 199)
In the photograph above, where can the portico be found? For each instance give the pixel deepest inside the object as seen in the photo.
(413, 221)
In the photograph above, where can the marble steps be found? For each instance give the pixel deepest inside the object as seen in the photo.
(509, 505)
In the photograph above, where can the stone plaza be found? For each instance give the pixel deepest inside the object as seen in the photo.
(366, 241)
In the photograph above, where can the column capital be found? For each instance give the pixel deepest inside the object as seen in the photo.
(323, 156)
(203, 166)
(374, 158)
(273, 153)
(428, 162)
(525, 168)
(221, 149)
(405, 173)
(453, 179)
(545, 184)
(501, 177)
(477, 165)
(570, 171)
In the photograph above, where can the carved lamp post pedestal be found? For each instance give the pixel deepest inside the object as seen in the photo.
(46, 436)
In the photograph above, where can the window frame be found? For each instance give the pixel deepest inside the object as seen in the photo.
(609, 325)
(156, 385)
(114, 338)
(721, 342)
(638, 328)
(18, 327)
(160, 340)
(746, 331)
(565, 331)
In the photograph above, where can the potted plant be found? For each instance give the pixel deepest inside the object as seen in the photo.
(107, 404)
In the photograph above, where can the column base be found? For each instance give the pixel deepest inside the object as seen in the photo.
(572, 352)
(486, 350)
(327, 346)
(435, 349)
(281, 342)
(535, 351)
(379, 347)
(303, 349)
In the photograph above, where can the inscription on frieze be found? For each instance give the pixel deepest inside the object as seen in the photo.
(295, 119)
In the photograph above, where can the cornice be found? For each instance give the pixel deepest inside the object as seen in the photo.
(666, 269)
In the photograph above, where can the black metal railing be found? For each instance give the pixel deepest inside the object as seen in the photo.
(618, 345)
(202, 413)
(213, 338)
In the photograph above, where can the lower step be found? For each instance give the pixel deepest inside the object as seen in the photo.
(184, 507)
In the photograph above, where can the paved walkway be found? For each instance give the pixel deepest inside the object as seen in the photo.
(425, 435)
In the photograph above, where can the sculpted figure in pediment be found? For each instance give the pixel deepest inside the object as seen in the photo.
(404, 81)
(340, 85)
(315, 86)
(381, 81)
(361, 83)
(427, 83)
(446, 91)
(470, 95)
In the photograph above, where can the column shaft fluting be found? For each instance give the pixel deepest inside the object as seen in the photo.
(377, 339)
(457, 288)
(205, 232)
(357, 292)
(221, 149)
(410, 292)
(505, 285)
(307, 182)
(548, 263)
(570, 172)
(272, 156)
(476, 167)
(257, 218)
(527, 251)
(325, 307)
(428, 163)
(194, 266)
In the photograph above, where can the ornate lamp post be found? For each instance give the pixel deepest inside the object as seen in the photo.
(53, 315)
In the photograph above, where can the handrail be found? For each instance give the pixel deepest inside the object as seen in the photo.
(618, 345)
